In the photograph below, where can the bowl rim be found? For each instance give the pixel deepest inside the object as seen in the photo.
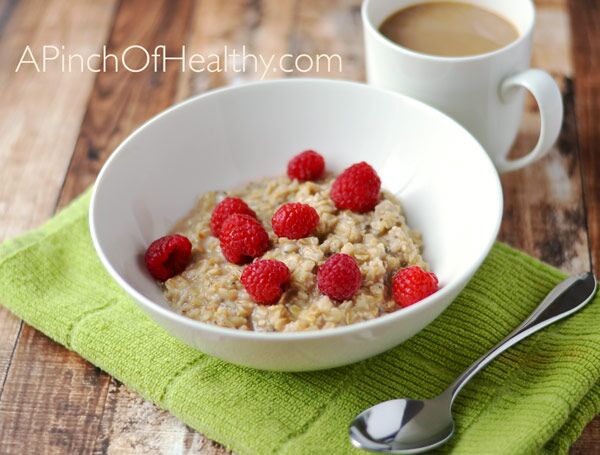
(455, 285)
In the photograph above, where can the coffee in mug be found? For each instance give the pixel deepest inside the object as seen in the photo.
(448, 29)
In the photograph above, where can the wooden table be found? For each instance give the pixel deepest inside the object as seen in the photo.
(58, 128)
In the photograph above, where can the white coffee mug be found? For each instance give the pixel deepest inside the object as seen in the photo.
(482, 92)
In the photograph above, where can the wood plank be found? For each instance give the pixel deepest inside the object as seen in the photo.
(330, 28)
(7, 8)
(133, 425)
(69, 422)
(543, 209)
(37, 146)
(50, 402)
(585, 19)
(552, 38)
(121, 101)
(543, 205)
(585, 22)
(589, 441)
(262, 28)
(10, 327)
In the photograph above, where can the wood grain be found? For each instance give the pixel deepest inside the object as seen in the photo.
(585, 23)
(10, 327)
(36, 147)
(589, 441)
(332, 27)
(120, 101)
(131, 424)
(552, 38)
(50, 393)
(544, 213)
(262, 28)
(585, 20)
(7, 8)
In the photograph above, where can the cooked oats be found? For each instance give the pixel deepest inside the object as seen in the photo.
(210, 290)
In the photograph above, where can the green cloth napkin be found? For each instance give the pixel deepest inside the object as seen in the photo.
(535, 398)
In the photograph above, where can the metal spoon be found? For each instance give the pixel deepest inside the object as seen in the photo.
(413, 426)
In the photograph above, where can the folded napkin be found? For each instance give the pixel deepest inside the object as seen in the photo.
(535, 398)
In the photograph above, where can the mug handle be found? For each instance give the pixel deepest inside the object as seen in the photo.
(548, 97)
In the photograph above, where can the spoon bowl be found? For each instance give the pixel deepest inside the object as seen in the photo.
(404, 425)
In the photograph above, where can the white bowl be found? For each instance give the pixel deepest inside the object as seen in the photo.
(446, 182)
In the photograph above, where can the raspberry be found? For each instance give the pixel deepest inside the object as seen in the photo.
(339, 277)
(243, 238)
(413, 284)
(225, 209)
(295, 220)
(308, 165)
(168, 256)
(357, 188)
(265, 280)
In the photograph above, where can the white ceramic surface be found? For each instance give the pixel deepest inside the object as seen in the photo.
(448, 186)
(482, 92)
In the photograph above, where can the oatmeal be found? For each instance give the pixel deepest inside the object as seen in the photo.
(210, 290)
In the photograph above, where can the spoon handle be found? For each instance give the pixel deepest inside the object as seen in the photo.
(565, 299)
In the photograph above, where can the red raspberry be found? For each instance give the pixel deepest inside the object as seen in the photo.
(295, 220)
(168, 256)
(413, 284)
(308, 165)
(243, 238)
(265, 280)
(339, 277)
(225, 209)
(357, 188)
